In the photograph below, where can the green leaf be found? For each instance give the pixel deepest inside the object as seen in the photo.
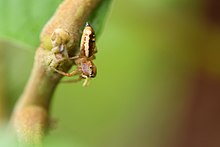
(22, 20)
(97, 18)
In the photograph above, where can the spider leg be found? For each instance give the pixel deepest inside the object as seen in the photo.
(92, 57)
(86, 82)
(73, 81)
(73, 58)
(75, 72)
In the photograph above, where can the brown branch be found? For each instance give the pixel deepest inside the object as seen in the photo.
(30, 117)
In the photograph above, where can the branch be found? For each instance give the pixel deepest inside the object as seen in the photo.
(30, 117)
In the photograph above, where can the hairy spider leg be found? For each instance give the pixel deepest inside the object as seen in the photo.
(75, 72)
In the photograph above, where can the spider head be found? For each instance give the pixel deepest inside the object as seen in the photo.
(88, 69)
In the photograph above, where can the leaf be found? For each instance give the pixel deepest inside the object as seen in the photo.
(22, 20)
(97, 18)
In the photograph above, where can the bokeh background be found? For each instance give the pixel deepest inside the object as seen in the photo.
(158, 82)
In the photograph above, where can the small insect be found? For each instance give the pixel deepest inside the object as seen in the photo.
(85, 66)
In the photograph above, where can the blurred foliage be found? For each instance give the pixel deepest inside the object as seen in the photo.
(22, 20)
(147, 54)
(17, 60)
(98, 17)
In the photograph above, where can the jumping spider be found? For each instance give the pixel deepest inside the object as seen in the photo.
(85, 66)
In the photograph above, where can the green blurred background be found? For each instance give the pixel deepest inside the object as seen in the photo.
(157, 85)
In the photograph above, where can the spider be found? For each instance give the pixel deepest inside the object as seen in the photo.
(84, 61)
